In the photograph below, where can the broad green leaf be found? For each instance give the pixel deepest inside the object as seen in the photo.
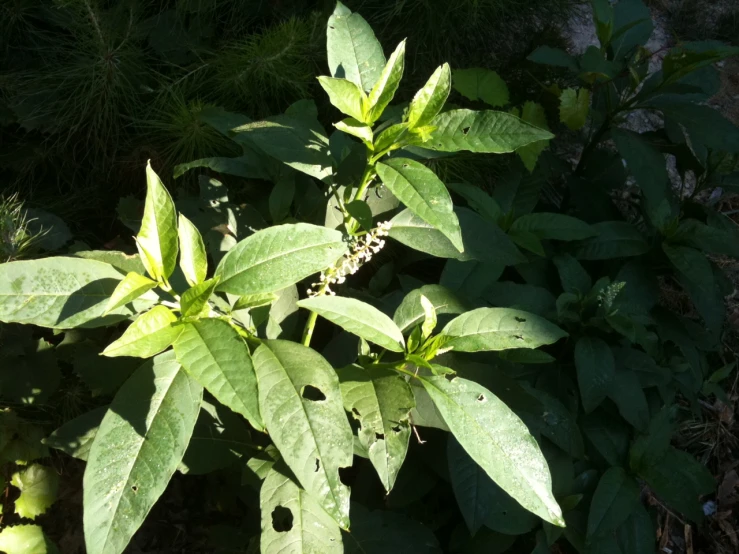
(703, 124)
(387, 83)
(615, 498)
(411, 312)
(75, 437)
(423, 193)
(632, 27)
(148, 335)
(528, 298)
(300, 402)
(214, 354)
(478, 200)
(499, 329)
(128, 290)
(125, 263)
(390, 138)
(691, 56)
(615, 239)
(299, 143)
(346, 96)
(546, 55)
(242, 166)
(157, 238)
(351, 126)
(255, 300)
(527, 240)
(193, 259)
(381, 532)
(195, 299)
(627, 393)
(708, 238)
(292, 520)
(38, 487)
(25, 539)
(596, 371)
(358, 318)
(636, 535)
(603, 19)
(573, 276)
(574, 106)
(484, 131)
(481, 84)
(609, 436)
(137, 449)
(281, 197)
(274, 258)
(381, 400)
(472, 487)
(648, 167)
(552, 226)
(430, 99)
(429, 317)
(650, 447)
(353, 51)
(482, 240)
(554, 421)
(61, 293)
(533, 113)
(360, 210)
(498, 441)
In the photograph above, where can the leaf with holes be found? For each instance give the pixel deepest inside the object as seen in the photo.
(149, 334)
(498, 441)
(300, 402)
(193, 259)
(38, 487)
(499, 329)
(596, 370)
(423, 193)
(157, 238)
(358, 318)
(430, 99)
(381, 400)
(353, 51)
(62, 293)
(214, 354)
(137, 449)
(128, 290)
(275, 258)
(292, 521)
(485, 131)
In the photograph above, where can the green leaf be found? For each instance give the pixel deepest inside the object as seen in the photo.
(636, 535)
(193, 259)
(410, 312)
(255, 301)
(615, 498)
(157, 238)
(389, 139)
(573, 276)
(423, 193)
(242, 166)
(353, 51)
(615, 239)
(430, 99)
(148, 335)
(387, 83)
(346, 96)
(484, 131)
(536, 115)
(300, 402)
(648, 167)
(574, 106)
(528, 298)
(358, 318)
(555, 422)
(596, 371)
(298, 143)
(473, 489)
(499, 329)
(125, 263)
(351, 126)
(632, 27)
(708, 238)
(292, 521)
(214, 354)
(138, 447)
(129, 289)
(381, 400)
(546, 55)
(75, 436)
(38, 486)
(609, 436)
(482, 240)
(360, 210)
(628, 395)
(679, 480)
(498, 441)
(61, 293)
(691, 56)
(552, 226)
(381, 532)
(274, 258)
(195, 299)
(25, 539)
(481, 84)
(281, 197)
(478, 200)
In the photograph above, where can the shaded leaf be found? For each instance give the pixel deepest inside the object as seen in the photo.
(481, 84)
(596, 371)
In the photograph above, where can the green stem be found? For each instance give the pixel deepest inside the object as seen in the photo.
(309, 326)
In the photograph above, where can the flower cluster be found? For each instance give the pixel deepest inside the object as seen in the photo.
(362, 251)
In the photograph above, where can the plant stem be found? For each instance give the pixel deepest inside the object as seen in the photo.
(309, 326)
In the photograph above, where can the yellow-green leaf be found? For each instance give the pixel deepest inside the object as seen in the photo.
(384, 90)
(347, 97)
(195, 299)
(132, 286)
(25, 539)
(430, 99)
(193, 259)
(574, 107)
(149, 334)
(38, 485)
